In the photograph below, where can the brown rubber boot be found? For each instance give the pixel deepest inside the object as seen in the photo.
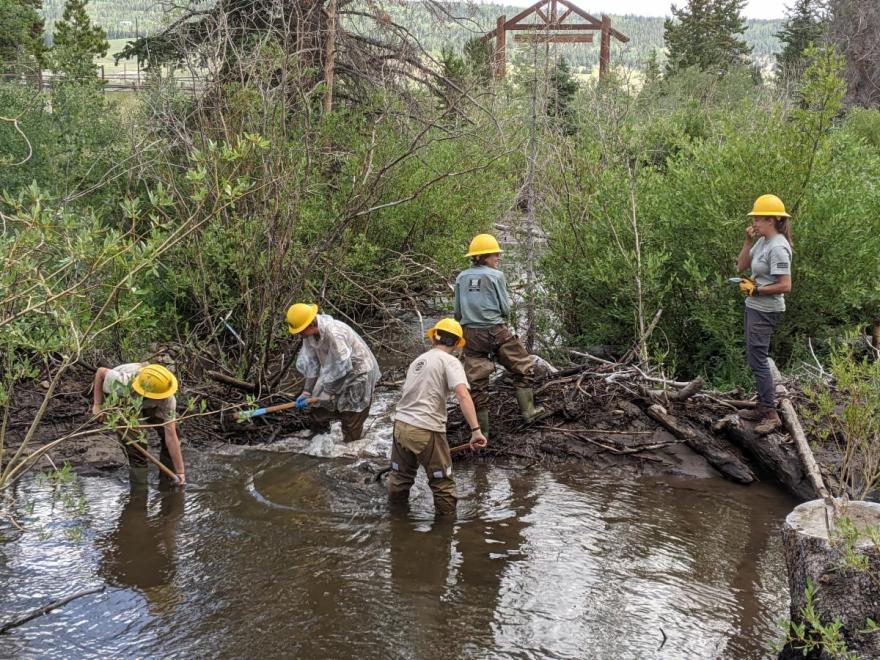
(770, 422)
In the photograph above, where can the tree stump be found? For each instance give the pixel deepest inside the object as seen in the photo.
(842, 592)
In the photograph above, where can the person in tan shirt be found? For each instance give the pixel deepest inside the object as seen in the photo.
(155, 386)
(420, 419)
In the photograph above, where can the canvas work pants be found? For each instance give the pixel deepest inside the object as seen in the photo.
(484, 347)
(137, 464)
(759, 328)
(412, 447)
(352, 422)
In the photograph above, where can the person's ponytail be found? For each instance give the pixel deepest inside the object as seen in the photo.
(783, 226)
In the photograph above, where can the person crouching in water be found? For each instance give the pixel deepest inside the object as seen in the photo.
(339, 368)
(420, 419)
(482, 306)
(767, 250)
(155, 386)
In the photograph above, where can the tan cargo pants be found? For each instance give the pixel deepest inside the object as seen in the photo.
(413, 447)
(485, 346)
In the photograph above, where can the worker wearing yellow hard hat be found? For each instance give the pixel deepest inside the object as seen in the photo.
(339, 368)
(767, 252)
(155, 386)
(482, 306)
(420, 419)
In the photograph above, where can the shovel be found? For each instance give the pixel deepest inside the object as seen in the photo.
(155, 461)
(259, 412)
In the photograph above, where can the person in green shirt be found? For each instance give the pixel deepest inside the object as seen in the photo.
(482, 307)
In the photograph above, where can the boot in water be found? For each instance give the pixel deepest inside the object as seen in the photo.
(483, 419)
(525, 396)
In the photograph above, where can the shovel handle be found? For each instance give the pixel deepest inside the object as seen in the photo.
(259, 412)
(460, 448)
(155, 461)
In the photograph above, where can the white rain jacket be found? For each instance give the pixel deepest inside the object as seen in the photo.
(338, 363)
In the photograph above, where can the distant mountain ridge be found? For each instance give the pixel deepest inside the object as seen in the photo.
(126, 19)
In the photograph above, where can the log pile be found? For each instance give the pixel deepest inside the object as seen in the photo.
(603, 410)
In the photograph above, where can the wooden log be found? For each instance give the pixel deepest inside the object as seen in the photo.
(553, 38)
(719, 457)
(232, 382)
(850, 595)
(688, 390)
(605, 48)
(771, 454)
(796, 431)
(500, 49)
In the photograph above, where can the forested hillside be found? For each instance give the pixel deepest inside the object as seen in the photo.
(125, 19)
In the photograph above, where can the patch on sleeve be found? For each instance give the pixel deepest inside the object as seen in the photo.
(474, 283)
(782, 264)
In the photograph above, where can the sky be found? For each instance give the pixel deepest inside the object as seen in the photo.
(753, 8)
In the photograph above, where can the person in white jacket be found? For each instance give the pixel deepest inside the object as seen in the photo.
(339, 368)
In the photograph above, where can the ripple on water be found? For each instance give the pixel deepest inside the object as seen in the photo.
(274, 554)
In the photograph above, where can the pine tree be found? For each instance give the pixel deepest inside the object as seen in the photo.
(804, 25)
(77, 43)
(706, 34)
(652, 69)
(563, 87)
(21, 34)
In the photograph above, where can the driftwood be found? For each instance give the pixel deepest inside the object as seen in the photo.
(718, 456)
(771, 454)
(232, 382)
(24, 618)
(796, 431)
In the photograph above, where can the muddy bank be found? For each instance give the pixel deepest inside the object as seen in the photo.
(613, 420)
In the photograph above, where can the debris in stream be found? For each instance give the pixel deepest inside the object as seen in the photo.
(608, 413)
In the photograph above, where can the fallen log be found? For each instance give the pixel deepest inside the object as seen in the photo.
(771, 454)
(232, 382)
(796, 431)
(719, 457)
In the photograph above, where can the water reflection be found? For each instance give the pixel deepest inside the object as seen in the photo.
(141, 550)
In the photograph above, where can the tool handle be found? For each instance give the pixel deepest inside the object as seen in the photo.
(259, 412)
(155, 461)
(460, 448)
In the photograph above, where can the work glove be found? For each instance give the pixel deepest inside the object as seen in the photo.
(748, 287)
(302, 401)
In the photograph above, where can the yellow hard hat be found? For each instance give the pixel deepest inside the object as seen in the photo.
(483, 244)
(299, 316)
(155, 382)
(451, 326)
(769, 206)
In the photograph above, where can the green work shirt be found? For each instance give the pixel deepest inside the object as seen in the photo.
(770, 258)
(481, 297)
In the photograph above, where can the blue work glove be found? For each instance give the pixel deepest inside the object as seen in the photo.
(302, 401)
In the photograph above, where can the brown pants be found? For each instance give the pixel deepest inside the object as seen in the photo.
(137, 464)
(352, 422)
(413, 447)
(485, 346)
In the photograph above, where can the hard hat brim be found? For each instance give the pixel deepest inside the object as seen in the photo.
(432, 334)
(138, 387)
(477, 253)
(770, 214)
(313, 309)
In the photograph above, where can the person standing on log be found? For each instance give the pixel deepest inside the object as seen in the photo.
(767, 251)
(420, 419)
(482, 306)
(339, 368)
(155, 386)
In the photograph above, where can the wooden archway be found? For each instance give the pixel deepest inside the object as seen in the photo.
(551, 27)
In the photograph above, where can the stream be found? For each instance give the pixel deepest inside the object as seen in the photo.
(293, 551)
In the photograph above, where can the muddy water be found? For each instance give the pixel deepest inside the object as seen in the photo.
(272, 554)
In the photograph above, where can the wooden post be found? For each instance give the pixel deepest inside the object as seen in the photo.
(605, 47)
(500, 49)
(330, 57)
(875, 339)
